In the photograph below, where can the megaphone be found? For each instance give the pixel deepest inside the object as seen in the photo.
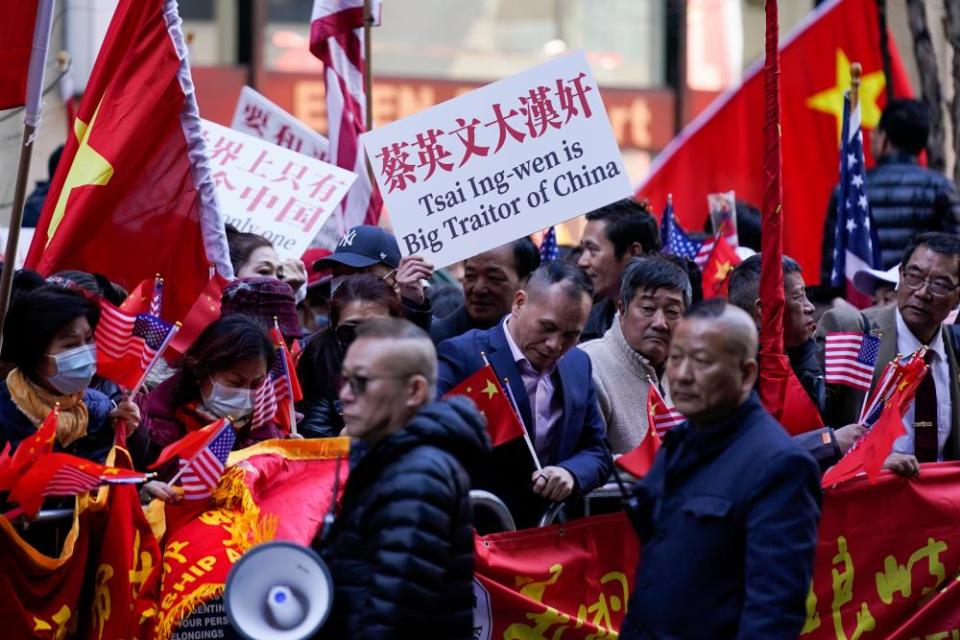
(278, 591)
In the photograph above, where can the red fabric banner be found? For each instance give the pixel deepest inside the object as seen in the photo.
(16, 34)
(721, 149)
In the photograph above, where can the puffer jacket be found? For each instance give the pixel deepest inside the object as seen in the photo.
(905, 199)
(401, 551)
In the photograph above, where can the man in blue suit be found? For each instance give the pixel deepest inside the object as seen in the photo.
(533, 351)
(728, 513)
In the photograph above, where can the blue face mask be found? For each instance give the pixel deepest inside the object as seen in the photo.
(75, 368)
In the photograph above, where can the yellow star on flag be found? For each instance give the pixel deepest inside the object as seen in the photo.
(723, 269)
(831, 100)
(88, 168)
(490, 390)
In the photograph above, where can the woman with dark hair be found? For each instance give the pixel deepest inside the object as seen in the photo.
(359, 298)
(219, 377)
(252, 254)
(48, 338)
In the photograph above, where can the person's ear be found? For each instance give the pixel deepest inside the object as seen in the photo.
(519, 299)
(621, 309)
(635, 249)
(419, 391)
(757, 311)
(749, 369)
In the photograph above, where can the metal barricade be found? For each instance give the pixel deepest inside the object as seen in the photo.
(496, 506)
(554, 511)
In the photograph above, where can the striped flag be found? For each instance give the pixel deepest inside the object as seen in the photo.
(661, 417)
(71, 481)
(703, 253)
(548, 246)
(336, 38)
(674, 240)
(286, 385)
(200, 475)
(851, 358)
(127, 344)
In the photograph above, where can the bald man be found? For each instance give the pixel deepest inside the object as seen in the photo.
(728, 513)
(401, 551)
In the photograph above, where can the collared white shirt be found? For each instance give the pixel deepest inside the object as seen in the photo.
(907, 343)
(545, 405)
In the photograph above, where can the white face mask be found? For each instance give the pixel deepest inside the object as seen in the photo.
(75, 368)
(229, 401)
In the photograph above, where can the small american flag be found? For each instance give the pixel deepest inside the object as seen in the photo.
(200, 475)
(120, 335)
(548, 246)
(664, 418)
(271, 392)
(850, 359)
(71, 481)
(703, 253)
(673, 238)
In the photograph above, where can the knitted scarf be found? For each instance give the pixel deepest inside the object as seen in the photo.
(36, 403)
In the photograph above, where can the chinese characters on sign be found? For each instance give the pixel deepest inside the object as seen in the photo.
(260, 118)
(498, 163)
(281, 194)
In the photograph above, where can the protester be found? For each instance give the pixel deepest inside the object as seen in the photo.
(728, 514)
(48, 337)
(490, 281)
(827, 445)
(219, 376)
(369, 249)
(929, 289)
(881, 286)
(251, 254)
(613, 235)
(532, 351)
(34, 204)
(904, 197)
(401, 550)
(632, 353)
(359, 298)
(266, 299)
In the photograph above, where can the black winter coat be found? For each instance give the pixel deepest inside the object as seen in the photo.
(401, 551)
(905, 199)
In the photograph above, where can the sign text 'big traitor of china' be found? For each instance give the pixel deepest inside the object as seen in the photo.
(499, 163)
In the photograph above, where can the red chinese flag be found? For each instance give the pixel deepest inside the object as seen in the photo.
(29, 449)
(484, 389)
(132, 195)
(716, 272)
(639, 461)
(189, 445)
(16, 34)
(721, 149)
(205, 309)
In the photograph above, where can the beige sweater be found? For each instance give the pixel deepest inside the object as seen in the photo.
(620, 375)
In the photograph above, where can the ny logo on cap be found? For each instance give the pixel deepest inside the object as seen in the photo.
(347, 240)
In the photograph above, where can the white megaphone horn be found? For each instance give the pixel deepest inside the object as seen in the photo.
(278, 591)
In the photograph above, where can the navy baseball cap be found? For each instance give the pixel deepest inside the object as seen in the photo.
(363, 246)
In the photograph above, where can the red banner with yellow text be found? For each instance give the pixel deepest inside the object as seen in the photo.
(278, 489)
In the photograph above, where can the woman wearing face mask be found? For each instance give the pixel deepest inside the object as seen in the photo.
(358, 298)
(219, 378)
(48, 337)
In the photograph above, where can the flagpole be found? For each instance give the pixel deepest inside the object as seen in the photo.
(368, 62)
(31, 122)
(855, 72)
(286, 371)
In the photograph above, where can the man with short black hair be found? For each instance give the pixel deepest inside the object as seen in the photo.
(631, 354)
(727, 515)
(533, 352)
(904, 197)
(614, 235)
(929, 289)
(490, 281)
(401, 551)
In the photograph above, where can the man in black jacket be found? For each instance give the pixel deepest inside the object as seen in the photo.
(827, 445)
(904, 197)
(401, 550)
(490, 281)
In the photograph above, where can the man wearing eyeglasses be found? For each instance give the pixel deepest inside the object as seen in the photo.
(401, 550)
(929, 289)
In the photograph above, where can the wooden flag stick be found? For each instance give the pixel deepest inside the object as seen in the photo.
(856, 71)
(292, 413)
(155, 360)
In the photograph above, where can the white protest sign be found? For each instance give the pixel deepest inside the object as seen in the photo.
(261, 118)
(23, 243)
(280, 194)
(498, 163)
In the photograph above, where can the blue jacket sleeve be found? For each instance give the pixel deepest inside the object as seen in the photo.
(450, 366)
(590, 465)
(781, 539)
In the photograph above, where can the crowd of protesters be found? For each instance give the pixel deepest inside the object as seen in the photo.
(730, 502)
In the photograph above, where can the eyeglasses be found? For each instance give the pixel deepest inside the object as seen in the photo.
(358, 384)
(941, 287)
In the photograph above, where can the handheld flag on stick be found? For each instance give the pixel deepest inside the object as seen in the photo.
(639, 460)
(128, 346)
(201, 474)
(286, 385)
(716, 272)
(674, 240)
(29, 449)
(661, 417)
(484, 389)
(548, 246)
(850, 359)
(190, 445)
